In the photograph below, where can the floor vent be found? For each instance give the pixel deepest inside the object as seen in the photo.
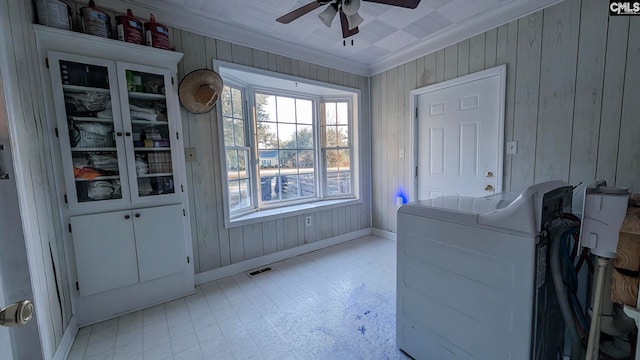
(258, 272)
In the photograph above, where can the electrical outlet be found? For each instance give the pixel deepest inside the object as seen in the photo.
(307, 220)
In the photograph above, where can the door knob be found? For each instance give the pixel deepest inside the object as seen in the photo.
(488, 188)
(17, 314)
(488, 174)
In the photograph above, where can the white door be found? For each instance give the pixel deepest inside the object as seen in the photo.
(15, 279)
(460, 126)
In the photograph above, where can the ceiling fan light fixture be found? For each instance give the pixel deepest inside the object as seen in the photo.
(328, 14)
(350, 7)
(354, 20)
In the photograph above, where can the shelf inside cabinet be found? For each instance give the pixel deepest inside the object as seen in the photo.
(155, 175)
(115, 177)
(92, 119)
(81, 89)
(146, 96)
(150, 123)
(101, 149)
(152, 149)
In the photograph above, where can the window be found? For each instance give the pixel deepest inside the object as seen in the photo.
(287, 142)
(336, 148)
(284, 126)
(236, 152)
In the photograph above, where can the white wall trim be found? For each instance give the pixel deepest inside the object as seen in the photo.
(384, 234)
(250, 264)
(67, 340)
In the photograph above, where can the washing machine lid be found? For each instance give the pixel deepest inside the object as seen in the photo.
(459, 208)
(507, 211)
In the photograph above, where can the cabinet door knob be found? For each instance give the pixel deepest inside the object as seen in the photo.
(488, 188)
(127, 133)
(137, 215)
(127, 217)
(119, 133)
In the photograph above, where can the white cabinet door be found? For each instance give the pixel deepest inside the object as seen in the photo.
(151, 120)
(89, 127)
(160, 241)
(105, 251)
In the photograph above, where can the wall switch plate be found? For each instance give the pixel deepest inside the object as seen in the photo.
(512, 147)
(190, 154)
(401, 153)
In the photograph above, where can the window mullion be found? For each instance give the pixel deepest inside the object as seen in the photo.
(318, 122)
(250, 123)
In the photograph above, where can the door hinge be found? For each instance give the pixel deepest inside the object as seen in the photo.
(416, 113)
(77, 286)
(184, 212)
(188, 261)
(56, 131)
(172, 80)
(177, 135)
(66, 201)
(69, 227)
(416, 175)
(46, 62)
(182, 188)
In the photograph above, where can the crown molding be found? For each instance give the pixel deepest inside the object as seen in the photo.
(199, 24)
(472, 28)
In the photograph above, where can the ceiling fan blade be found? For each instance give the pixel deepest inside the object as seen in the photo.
(410, 4)
(287, 18)
(346, 32)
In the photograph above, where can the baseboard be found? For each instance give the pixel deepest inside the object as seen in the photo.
(67, 340)
(385, 234)
(250, 264)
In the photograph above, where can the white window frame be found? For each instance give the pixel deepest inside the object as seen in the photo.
(248, 162)
(263, 211)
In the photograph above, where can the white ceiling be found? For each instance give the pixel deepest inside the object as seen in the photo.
(389, 35)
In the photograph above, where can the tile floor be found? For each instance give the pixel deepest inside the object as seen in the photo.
(335, 303)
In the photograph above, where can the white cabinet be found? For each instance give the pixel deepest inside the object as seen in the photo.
(117, 131)
(118, 158)
(121, 248)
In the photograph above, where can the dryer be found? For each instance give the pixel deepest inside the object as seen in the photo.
(472, 276)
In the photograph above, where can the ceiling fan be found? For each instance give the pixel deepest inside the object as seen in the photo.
(348, 10)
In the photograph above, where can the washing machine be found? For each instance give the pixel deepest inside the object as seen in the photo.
(472, 276)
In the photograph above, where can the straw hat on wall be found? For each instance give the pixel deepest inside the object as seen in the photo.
(199, 90)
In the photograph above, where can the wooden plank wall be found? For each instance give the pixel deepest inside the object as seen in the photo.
(571, 102)
(214, 245)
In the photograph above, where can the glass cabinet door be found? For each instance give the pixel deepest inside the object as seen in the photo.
(89, 128)
(148, 114)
